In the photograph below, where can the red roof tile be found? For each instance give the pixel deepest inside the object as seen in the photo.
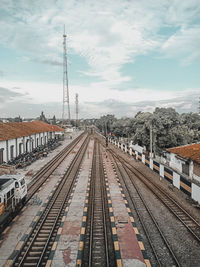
(12, 130)
(188, 152)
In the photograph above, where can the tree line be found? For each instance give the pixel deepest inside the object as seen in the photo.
(169, 128)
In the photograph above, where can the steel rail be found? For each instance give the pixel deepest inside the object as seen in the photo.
(61, 189)
(97, 219)
(41, 176)
(81, 154)
(103, 196)
(50, 167)
(184, 217)
(149, 212)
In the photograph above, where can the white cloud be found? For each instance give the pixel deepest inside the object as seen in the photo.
(107, 34)
(185, 42)
(96, 92)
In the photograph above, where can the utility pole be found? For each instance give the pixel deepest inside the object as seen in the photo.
(199, 107)
(151, 135)
(65, 83)
(76, 103)
(106, 128)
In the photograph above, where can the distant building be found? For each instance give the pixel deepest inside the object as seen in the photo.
(186, 160)
(21, 137)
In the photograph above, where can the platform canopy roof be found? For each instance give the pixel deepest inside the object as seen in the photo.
(191, 152)
(11, 130)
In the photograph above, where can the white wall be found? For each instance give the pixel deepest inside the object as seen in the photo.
(137, 148)
(27, 141)
(196, 192)
(37, 136)
(151, 164)
(11, 142)
(15, 143)
(3, 145)
(191, 169)
(143, 158)
(176, 180)
(196, 177)
(175, 163)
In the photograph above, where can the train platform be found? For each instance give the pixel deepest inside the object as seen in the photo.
(65, 249)
(13, 236)
(68, 248)
(129, 248)
(92, 178)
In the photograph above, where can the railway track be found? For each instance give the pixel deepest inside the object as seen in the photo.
(43, 174)
(162, 250)
(181, 214)
(98, 248)
(36, 249)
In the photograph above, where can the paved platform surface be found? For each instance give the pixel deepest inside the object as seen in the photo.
(67, 249)
(68, 242)
(130, 244)
(14, 233)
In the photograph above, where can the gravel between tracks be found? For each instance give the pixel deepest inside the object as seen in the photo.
(184, 200)
(183, 244)
(17, 229)
(30, 170)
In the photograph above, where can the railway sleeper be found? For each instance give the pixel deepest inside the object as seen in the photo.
(43, 235)
(47, 225)
(42, 231)
(30, 259)
(35, 248)
(34, 253)
(50, 220)
(26, 264)
(54, 211)
(52, 216)
(98, 235)
(39, 239)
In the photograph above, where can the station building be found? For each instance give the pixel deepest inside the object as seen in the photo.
(20, 137)
(186, 160)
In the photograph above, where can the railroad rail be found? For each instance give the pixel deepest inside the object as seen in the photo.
(162, 250)
(98, 248)
(181, 214)
(36, 249)
(43, 174)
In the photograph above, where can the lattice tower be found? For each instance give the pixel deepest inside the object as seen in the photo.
(76, 103)
(66, 107)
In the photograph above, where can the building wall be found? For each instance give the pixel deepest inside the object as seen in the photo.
(28, 143)
(188, 186)
(3, 146)
(196, 168)
(175, 163)
(196, 171)
(11, 143)
(20, 142)
(37, 140)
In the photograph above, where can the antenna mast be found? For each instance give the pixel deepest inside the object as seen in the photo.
(76, 102)
(65, 83)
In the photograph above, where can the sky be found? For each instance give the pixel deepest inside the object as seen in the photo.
(124, 56)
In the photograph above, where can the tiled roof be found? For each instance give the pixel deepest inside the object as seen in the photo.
(12, 130)
(188, 152)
